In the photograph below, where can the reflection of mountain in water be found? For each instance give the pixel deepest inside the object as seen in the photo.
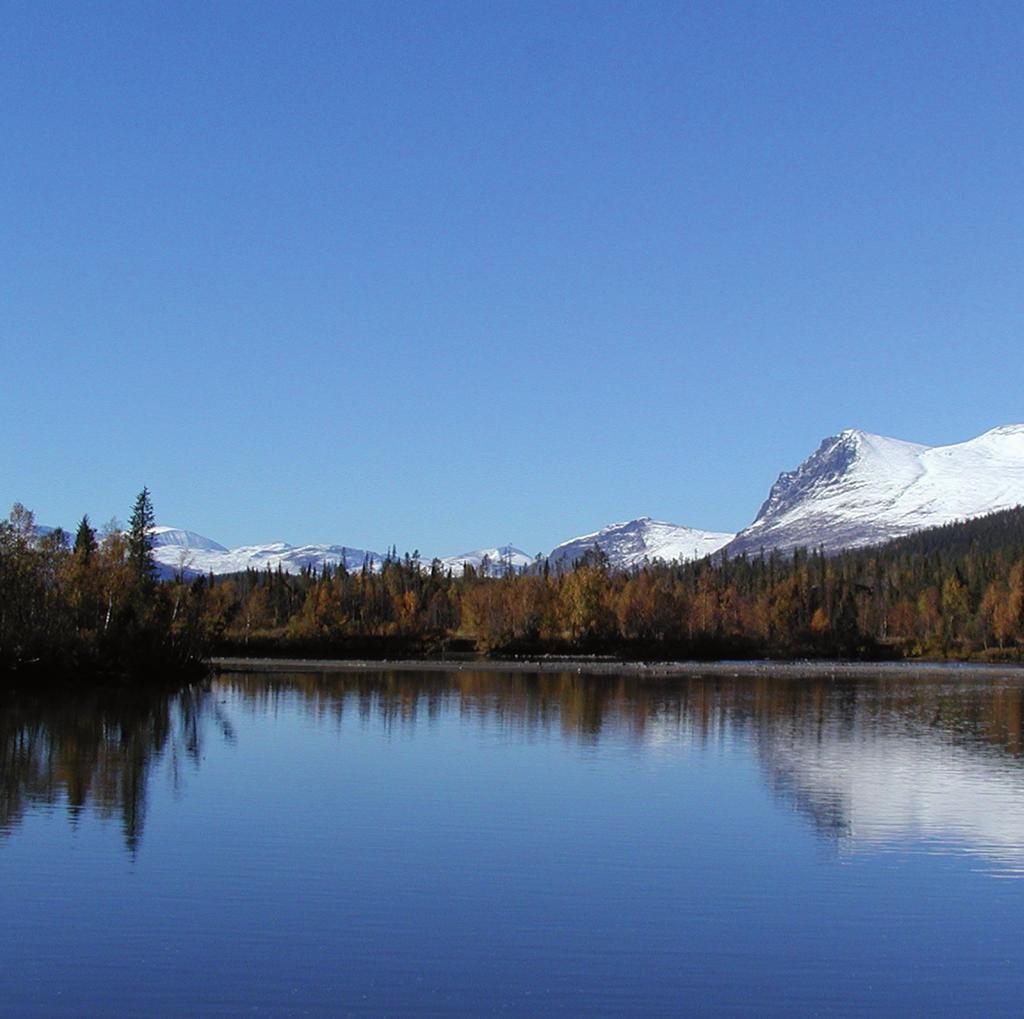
(872, 761)
(892, 766)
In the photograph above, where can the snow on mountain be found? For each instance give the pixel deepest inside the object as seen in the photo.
(183, 539)
(635, 541)
(494, 562)
(177, 550)
(855, 489)
(858, 489)
(626, 544)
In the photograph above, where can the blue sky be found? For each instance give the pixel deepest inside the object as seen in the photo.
(444, 276)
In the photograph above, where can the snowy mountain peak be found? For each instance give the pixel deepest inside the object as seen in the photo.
(858, 488)
(852, 455)
(178, 538)
(1008, 430)
(492, 561)
(633, 542)
(505, 551)
(180, 551)
(1008, 439)
(850, 436)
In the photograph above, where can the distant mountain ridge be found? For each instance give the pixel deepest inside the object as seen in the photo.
(180, 551)
(625, 544)
(179, 555)
(855, 489)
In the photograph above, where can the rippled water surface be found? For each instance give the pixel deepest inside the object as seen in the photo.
(467, 843)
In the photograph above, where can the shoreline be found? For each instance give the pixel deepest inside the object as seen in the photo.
(603, 667)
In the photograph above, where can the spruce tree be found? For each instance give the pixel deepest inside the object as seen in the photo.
(140, 539)
(85, 540)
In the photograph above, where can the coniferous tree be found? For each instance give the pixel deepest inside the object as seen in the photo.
(85, 541)
(140, 540)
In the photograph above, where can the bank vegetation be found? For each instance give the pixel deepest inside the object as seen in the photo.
(94, 605)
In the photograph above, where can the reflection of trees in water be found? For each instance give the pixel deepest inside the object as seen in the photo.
(824, 744)
(95, 752)
(580, 707)
(968, 713)
(99, 752)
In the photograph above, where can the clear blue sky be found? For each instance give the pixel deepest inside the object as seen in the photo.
(451, 275)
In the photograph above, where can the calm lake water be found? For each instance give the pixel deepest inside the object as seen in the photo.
(470, 843)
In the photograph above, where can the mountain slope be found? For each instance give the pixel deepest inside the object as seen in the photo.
(177, 538)
(494, 562)
(635, 541)
(177, 550)
(626, 544)
(858, 489)
(182, 551)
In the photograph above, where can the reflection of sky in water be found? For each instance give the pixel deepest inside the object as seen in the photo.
(402, 844)
(896, 764)
(904, 764)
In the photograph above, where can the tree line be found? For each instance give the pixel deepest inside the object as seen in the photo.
(95, 604)
(955, 591)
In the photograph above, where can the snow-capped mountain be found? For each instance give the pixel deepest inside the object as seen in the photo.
(494, 562)
(175, 537)
(626, 544)
(179, 551)
(635, 541)
(858, 489)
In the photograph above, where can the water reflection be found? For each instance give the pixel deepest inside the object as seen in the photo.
(889, 765)
(872, 762)
(96, 752)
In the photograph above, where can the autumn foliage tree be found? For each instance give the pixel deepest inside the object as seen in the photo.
(956, 591)
(72, 611)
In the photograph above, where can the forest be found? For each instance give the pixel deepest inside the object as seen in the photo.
(95, 605)
(952, 592)
(92, 607)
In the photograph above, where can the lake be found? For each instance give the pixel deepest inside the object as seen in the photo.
(515, 844)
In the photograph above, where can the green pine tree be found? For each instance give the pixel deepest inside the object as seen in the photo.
(140, 540)
(85, 540)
